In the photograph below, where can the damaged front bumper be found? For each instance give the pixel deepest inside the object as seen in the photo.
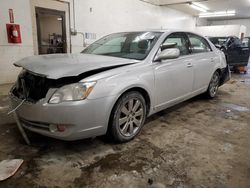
(67, 120)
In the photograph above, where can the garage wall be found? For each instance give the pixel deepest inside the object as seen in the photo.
(201, 22)
(221, 30)
(94, 17)
(10, 53)
(245, 22)
(108, 16)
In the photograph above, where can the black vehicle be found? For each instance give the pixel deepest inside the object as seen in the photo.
(246, 41)
(237, 53)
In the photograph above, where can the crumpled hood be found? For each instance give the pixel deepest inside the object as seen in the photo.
(57, 66)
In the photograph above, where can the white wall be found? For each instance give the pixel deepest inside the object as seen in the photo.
(221, 30)
(10, 53)
(201, 22)
(125, 15)
(107, 16)
(245, 22)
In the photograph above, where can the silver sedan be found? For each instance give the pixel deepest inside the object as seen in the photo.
(115, 83)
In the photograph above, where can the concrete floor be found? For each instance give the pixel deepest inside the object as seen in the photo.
(199, 143)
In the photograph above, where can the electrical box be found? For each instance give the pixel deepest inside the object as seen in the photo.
(13, 33)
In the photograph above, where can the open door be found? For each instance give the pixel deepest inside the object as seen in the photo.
(51, 31)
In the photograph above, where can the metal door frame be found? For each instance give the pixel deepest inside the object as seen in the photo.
(39, 11)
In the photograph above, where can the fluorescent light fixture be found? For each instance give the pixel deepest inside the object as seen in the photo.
(218, 14)
(198, 6)
(59, 19)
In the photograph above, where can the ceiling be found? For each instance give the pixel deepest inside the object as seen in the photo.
(242, 7)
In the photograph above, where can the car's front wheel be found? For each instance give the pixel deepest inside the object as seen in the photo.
(127, 117)
(213, 85)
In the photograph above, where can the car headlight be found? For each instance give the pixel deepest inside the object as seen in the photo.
(72, 92)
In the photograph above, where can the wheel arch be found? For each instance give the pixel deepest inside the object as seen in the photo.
(145, 95)
(142, 91)
(220, 73)
(218, 70)
(139, 89)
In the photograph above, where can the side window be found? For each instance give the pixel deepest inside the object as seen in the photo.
(198, 44)
(237, 42)
(246, 41)
(176, 40)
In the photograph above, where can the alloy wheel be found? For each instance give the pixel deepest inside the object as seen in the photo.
(131, 117)
(214, 84)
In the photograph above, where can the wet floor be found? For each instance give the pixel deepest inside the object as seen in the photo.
(199, 143)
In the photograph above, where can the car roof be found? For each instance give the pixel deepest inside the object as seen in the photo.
(223, 37)
(162, 31)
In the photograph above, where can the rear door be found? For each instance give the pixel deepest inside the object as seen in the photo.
(203, 59)
(174, 77)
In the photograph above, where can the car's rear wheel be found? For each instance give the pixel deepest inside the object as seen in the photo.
(213, 85)
(127, 117)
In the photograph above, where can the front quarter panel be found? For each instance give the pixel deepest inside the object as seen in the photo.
(133, 76)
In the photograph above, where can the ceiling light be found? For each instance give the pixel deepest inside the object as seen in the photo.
(218, 14)
(59, 19)
(198, 6)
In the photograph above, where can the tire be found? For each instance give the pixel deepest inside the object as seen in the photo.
(127, 117)
(213, 85)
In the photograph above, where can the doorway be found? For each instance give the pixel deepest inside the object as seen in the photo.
(51, 31)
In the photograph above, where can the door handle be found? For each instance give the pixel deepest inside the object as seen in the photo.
(189, 65)
(212, 60)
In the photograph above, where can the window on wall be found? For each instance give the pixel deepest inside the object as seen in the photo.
(177, 40)
(198, 44)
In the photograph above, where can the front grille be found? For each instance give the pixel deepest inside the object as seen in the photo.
(32, 87)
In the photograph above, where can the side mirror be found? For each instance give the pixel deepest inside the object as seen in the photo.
(171, 53)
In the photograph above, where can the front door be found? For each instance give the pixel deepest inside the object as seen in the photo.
(51, 31)
(174, 78)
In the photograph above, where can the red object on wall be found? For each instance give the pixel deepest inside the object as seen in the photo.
(11, 15)
(242, 35)
(13, 33)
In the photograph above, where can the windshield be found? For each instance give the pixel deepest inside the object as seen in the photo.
(132, 45)
(218, 40)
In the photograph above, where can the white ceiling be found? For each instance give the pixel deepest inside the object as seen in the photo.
(242, 7)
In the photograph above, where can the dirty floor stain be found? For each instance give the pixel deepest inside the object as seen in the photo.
(199, 143)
